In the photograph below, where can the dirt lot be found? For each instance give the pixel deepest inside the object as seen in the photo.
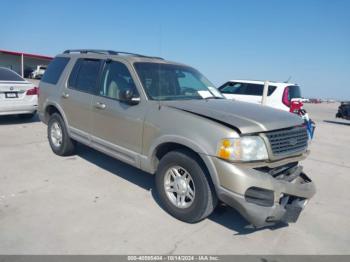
(92, 204)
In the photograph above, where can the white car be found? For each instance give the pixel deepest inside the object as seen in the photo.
(17, 96)
(279, 94)
(38, 72)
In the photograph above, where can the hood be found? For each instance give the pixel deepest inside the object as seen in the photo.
(246, 117)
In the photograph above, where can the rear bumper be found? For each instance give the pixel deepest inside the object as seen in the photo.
(18, 109)
(261, 198)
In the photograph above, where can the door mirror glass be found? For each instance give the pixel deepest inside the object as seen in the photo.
(128, 96)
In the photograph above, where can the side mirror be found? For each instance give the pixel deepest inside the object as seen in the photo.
(127, 96)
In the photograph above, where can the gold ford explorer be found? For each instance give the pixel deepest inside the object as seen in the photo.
(167, 119)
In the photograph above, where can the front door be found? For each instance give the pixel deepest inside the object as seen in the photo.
(117, 125)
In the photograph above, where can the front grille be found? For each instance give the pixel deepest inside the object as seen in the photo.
(288, 141)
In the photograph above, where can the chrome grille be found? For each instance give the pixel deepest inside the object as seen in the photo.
(288, 141)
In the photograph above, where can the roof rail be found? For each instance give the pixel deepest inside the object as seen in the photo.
(85, 51)
(107, 52)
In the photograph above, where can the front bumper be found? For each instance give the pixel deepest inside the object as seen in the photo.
(259, 196)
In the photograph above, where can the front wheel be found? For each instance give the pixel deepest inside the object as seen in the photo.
(184, 187)
(60, 142)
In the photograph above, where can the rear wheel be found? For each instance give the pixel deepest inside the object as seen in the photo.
(60, 142)
(184, 187)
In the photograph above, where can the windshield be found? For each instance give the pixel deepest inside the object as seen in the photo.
(8, 75)
(174, 82)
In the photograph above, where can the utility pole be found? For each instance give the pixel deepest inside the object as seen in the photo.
(264, 96)
(22, 65)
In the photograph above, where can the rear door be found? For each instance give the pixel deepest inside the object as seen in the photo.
(76, 97)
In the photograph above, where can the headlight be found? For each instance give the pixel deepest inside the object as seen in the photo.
(246, 148)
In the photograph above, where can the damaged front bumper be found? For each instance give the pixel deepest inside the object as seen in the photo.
(264, 195)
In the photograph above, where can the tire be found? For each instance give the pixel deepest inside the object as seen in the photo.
(60, 142)
(204, 198)
(27, 116)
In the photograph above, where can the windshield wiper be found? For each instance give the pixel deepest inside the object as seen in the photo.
(213, 97)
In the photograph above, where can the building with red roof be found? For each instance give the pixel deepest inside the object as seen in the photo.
(22, 63)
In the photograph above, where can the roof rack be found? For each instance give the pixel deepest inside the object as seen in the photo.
(106, 52)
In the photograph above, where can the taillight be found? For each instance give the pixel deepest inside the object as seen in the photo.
(33, 91)
(285, 97)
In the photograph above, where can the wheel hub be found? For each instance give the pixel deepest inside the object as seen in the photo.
(179, 187)
(56, 134)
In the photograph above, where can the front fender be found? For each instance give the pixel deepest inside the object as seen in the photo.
(150, 162)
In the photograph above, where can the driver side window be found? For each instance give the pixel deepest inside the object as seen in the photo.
(116, 78)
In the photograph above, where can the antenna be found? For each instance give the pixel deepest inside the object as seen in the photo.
(289, 78)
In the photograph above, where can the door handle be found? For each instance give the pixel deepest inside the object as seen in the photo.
(100, 105)
(65, 95)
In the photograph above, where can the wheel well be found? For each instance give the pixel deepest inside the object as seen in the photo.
(165, 148)
(49, 111)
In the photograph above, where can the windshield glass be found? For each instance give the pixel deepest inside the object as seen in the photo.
(8, 75)
(174, 82)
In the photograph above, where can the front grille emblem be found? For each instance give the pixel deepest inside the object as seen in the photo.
(293, 141)
(11, 88)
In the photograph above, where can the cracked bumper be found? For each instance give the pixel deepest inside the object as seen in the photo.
(261, 198)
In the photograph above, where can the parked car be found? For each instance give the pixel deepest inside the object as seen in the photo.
(167, 119)
(38, 72)
(27, 72)
(17, 96)
(344, 110)
(315, 101)
(279, 94)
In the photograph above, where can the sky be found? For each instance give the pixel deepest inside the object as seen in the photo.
(307, 41)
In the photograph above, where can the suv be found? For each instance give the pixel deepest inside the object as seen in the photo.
(38, 72)
(279, 95)
(344, 110)
(167, 119)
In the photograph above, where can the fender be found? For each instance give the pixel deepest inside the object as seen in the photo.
(60, 110)
(149, 163)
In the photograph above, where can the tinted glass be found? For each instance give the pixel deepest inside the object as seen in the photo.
(54, 70)
(294, 92)
(74, 73)
(115, 79)
(174, 82)
(245, 89)
(84, 75)
(8, 75)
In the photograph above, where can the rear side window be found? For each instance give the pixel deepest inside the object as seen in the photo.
(245, 89)
(84, 75)
(54, 70)
(8, 75)
(294, 92)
